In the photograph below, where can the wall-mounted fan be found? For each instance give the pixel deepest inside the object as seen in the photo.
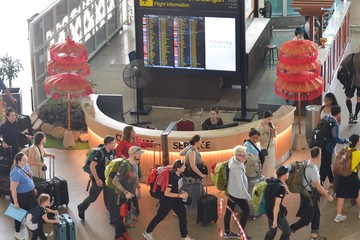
(135, 75)
(266, 11)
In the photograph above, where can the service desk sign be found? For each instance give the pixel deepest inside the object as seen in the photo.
(199, 5)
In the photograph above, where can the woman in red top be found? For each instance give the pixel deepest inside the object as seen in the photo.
(128, 140)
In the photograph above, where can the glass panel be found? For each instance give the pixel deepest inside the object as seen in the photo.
(277, 7)
(37, 33)
(290, 10)
(49, 25)
(39, 59)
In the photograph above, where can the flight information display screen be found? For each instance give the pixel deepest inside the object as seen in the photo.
(189, 42)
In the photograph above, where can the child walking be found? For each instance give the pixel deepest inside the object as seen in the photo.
(39, 216)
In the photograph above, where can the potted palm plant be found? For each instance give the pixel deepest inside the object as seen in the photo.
(9, 69)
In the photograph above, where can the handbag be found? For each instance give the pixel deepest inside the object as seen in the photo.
(203, 168)
(261, 154)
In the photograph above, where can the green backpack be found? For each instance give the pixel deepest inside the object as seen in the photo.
(296, 177)
(220, 175)
(112, 168)
(258, 196)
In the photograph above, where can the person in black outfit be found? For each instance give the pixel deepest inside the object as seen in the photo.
(173, 199)
(97, 167)
(275, 211)
(10, 132)
(213, 120)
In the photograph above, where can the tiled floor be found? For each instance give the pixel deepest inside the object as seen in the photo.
(106, 70)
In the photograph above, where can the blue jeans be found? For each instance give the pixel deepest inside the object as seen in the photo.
(283, 224)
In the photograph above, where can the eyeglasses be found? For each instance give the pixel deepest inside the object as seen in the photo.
(240, 155)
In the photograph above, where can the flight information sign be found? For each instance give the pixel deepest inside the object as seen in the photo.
(198, 5)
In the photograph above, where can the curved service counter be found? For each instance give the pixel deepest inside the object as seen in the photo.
(217, 144)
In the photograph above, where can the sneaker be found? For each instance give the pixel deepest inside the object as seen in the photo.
(148, 236)
(231, 235)
(318, 238)
(351, 116)
(19, 236)
(81, 212)
(339, 218)
(187, 238)
(355, 119)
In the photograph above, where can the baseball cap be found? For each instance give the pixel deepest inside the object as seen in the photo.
(135, 150)
(281, 171)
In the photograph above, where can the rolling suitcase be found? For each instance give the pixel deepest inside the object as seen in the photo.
(207, 208)
(65, 229)
(5, 167)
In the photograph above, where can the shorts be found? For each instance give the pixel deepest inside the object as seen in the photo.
(349, 92)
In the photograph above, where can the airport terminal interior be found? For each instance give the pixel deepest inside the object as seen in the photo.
(107, 65)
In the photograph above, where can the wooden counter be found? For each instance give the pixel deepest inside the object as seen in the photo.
(217, 144)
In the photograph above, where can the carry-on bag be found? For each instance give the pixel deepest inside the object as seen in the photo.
(251, 184)
(6, 161)
(65, 229)
(56, 187)
(207, 209)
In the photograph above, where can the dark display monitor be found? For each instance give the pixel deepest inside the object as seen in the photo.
(189, 42)
(229, 125)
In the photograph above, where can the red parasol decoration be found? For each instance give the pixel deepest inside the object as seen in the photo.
(68, 52)
(298, 73)
(67, 85)
(67, 66)
(83, 68)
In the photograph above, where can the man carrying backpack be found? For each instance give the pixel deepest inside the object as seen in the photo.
(237, 188)
(328, 149)
(97, 168)
(126, 183)
(310, 213)
(349, 92)
(276, 213)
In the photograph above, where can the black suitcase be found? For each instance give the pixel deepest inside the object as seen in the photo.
(5, 167)
(56, 187)
(207, 208)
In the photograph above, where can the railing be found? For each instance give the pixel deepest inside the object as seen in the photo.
(92, 22)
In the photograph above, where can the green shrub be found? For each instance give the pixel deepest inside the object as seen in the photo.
(56, 111)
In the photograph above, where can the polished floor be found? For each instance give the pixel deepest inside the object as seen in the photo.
(106, 70)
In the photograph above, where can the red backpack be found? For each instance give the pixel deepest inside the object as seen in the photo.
(158, 179)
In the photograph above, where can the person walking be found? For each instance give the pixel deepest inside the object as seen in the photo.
(275, 211)
(267, 136)
(310, 212)
(23, 192)
(349, 187)
(193, 176)
(237, 191)
(97, 168)
(126, 183)
(350, 92)
(174, 197)
(328, 149)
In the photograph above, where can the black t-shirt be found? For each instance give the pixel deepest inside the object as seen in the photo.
(176, 183)
(11, 134)
(274, 190)
(207, 125)
(102, 162)
(37, 212)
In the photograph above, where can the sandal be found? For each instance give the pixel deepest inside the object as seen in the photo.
(318, 237)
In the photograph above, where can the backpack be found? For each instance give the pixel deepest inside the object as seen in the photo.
(129, 214)
(321, 134)
(29, 218)
(343, 161)
(296, 177)
(258, 196)
(252, 165)
(112, 168)
(90, 156)
(158, 179)
(346, 74)
(220, 175)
